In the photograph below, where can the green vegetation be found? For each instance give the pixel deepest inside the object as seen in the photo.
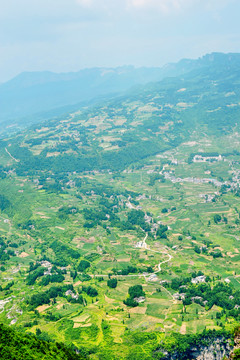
(134, 292)
(16, 345)
(112, 283)
(119, 224)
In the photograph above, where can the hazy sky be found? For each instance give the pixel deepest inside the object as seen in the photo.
(68, 35)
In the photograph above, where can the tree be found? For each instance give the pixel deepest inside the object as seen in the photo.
(130, 302)
(136, 291)
(217, 218)
(197, 249)
(90, 291)
(83, 265)
(38, 332)
(112, 283)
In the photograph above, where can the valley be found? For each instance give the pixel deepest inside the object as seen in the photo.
(119, 224)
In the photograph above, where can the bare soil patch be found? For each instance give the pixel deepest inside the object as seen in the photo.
(23, 255)
(42, 308)
(59, 306)
(42, 129)
(138, 310)
(77, 325)
(183, 329)
(108, 300)
(124, 260)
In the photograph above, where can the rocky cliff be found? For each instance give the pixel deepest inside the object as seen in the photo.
(235, 353)
(212, 349)
(219, 349)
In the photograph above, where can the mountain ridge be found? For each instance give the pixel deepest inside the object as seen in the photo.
(30, 93)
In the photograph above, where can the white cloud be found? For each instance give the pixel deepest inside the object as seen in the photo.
(86, 3)
(162, 5)
(167, 6)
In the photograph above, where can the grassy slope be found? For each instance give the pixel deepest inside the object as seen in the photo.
(34, 203)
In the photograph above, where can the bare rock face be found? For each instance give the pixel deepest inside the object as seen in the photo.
(215, 351)
(218, 349)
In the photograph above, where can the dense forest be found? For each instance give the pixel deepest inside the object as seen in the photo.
(17, 345)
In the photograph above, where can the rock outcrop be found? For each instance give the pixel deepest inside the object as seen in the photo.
(217, 349)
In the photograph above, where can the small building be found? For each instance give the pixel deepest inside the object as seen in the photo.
(162, 282)
(139, 299)
(153, 277)
(198, 279)
(46, 264)
(178, 296)
(70, 293)
(48, 272)
(198, 298)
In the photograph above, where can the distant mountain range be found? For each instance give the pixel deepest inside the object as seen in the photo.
(145, 120)
(31, 96)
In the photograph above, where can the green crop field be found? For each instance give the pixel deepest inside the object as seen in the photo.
(119, 223)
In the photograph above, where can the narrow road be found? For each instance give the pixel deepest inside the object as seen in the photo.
(163, 262)
(145, 246)
(11, 155)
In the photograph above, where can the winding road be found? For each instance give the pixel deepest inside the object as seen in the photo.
(143, 245)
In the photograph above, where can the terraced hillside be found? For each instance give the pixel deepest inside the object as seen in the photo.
(120, 222)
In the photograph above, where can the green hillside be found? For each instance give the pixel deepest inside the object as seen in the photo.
(16, 345)
(119, 222)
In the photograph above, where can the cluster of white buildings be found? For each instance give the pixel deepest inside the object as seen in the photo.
(198, 279)
(71, 293)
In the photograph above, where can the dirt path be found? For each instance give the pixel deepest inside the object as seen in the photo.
(11, 155)
(183, 329)
(143, 245)
(158, 252)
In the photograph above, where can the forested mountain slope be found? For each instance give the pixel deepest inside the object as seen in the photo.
(15, 345)
(32, 96)
(144, 122)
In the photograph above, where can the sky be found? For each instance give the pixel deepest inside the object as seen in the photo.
(69, 35)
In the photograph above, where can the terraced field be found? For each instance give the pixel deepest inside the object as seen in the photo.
(122, 220)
